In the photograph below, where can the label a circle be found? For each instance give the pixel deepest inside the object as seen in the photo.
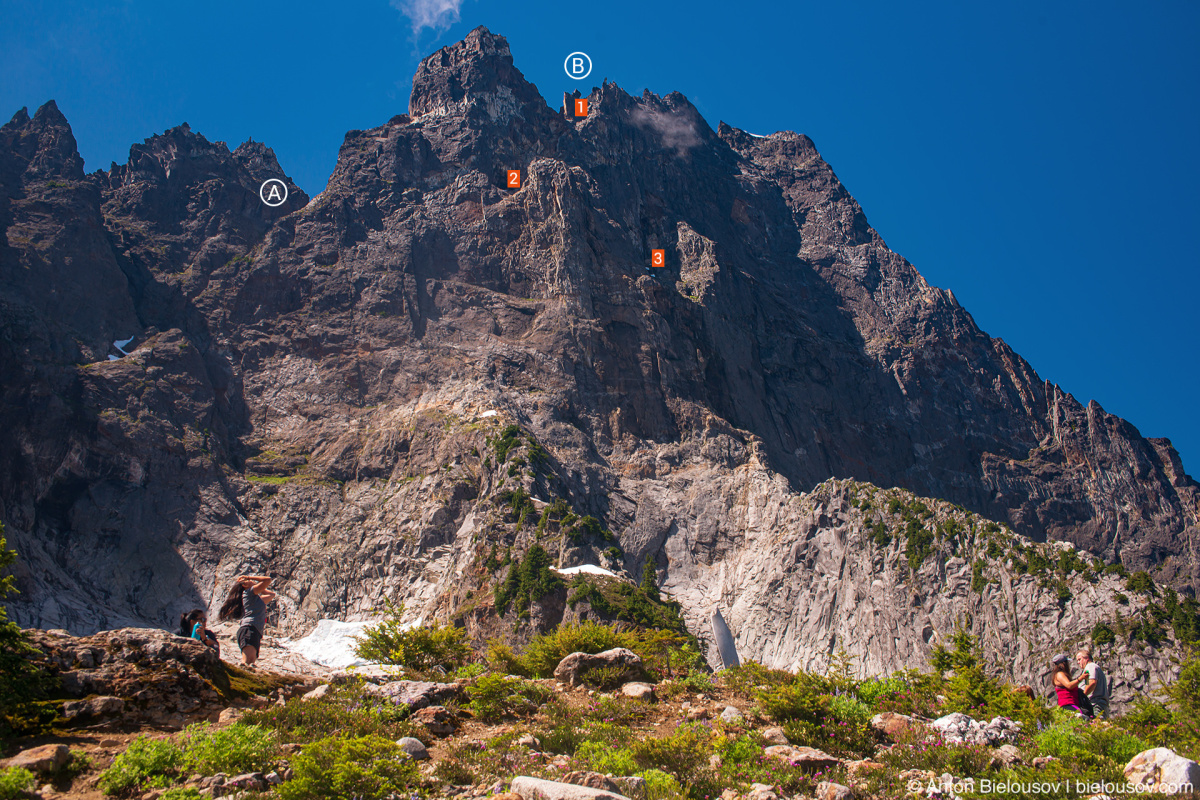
(273, 192)
(578, 65)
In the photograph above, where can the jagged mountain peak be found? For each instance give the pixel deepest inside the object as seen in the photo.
(475, 74)
(43, 147)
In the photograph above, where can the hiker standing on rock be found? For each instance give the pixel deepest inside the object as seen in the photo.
(247, 600)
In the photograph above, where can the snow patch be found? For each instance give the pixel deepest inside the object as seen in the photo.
(122, 344)
(487, 414)
(331, 643)
(590, 569)
(114, 358)
(758, 135)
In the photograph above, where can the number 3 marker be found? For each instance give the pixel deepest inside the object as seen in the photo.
(658, 258)
(514, 179)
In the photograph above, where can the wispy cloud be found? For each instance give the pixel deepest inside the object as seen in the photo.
(678, 130)
(437, 15)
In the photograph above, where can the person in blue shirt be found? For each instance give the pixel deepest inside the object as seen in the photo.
(193, 626)
(247, 601)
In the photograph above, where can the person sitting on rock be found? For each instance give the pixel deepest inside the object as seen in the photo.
(1070, 696)
(247, 601)
(1095, 682)
(201, 633)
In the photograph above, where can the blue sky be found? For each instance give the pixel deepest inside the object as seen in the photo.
(1039, 159)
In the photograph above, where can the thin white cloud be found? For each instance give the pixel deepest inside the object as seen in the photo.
(677, 129)
(437, 15)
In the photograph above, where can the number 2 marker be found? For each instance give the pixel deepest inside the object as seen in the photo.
(514, 179)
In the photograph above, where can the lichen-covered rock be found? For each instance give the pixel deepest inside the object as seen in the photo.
(573, 669)
(958, 728)
(827, 790)
(637, 690)
(417, 694)
(44, 759)
(540, 789)
(1164, 771)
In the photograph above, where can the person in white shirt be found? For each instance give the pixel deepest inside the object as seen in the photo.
(1096, 684)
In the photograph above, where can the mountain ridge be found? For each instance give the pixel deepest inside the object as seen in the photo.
(310, 381)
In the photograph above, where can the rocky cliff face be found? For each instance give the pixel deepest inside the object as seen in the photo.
(324, 390)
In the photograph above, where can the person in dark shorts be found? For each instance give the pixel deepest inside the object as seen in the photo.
(247, 601)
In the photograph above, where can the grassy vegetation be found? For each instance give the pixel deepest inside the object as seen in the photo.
(416, 647)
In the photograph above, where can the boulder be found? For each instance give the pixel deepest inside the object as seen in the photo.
(827, 790)
(808, 757)
(101, 706)
(1008, 755)
(539, 789)
(592, 780)
(774, 736)
(414, 747)
(46, 758)
(145, 675)
(572, 669)
(417, 694)
(529, 740)
(229, 716)
(890, 726)
(436, 719)
(247, 781)
(1163, 770)
(630, 785)
(761, 791)
(638, 691)
(317, 693)
(732, 716)
(958, 728)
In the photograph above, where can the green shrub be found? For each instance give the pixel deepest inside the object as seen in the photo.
(803, 699)
(601, 757)
(1186, 691)
(14, 782)
(419, 648)
(365, 767)
(544, 652)
(181, 793)
(1140, 581)
(1102, 634)
(660, 785)
(234, 749)
(745, 678)
(345, 710)
(843, 708)
(22, 682)
(494, 697)
(684, 753)
(527, 581)
(146, 763)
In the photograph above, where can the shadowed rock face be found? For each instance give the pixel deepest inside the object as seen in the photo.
(307, 388)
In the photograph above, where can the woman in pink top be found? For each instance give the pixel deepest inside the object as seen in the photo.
(1070, 696)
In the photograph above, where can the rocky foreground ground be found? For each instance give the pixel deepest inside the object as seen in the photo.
(531, 739)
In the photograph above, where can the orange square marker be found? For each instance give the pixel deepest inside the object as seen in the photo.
(658, 258)
(581, 107)
(514, 179)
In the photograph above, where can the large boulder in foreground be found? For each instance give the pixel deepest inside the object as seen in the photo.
(142, 675)
(539, 789)
(1163, 771)
(625, 664)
